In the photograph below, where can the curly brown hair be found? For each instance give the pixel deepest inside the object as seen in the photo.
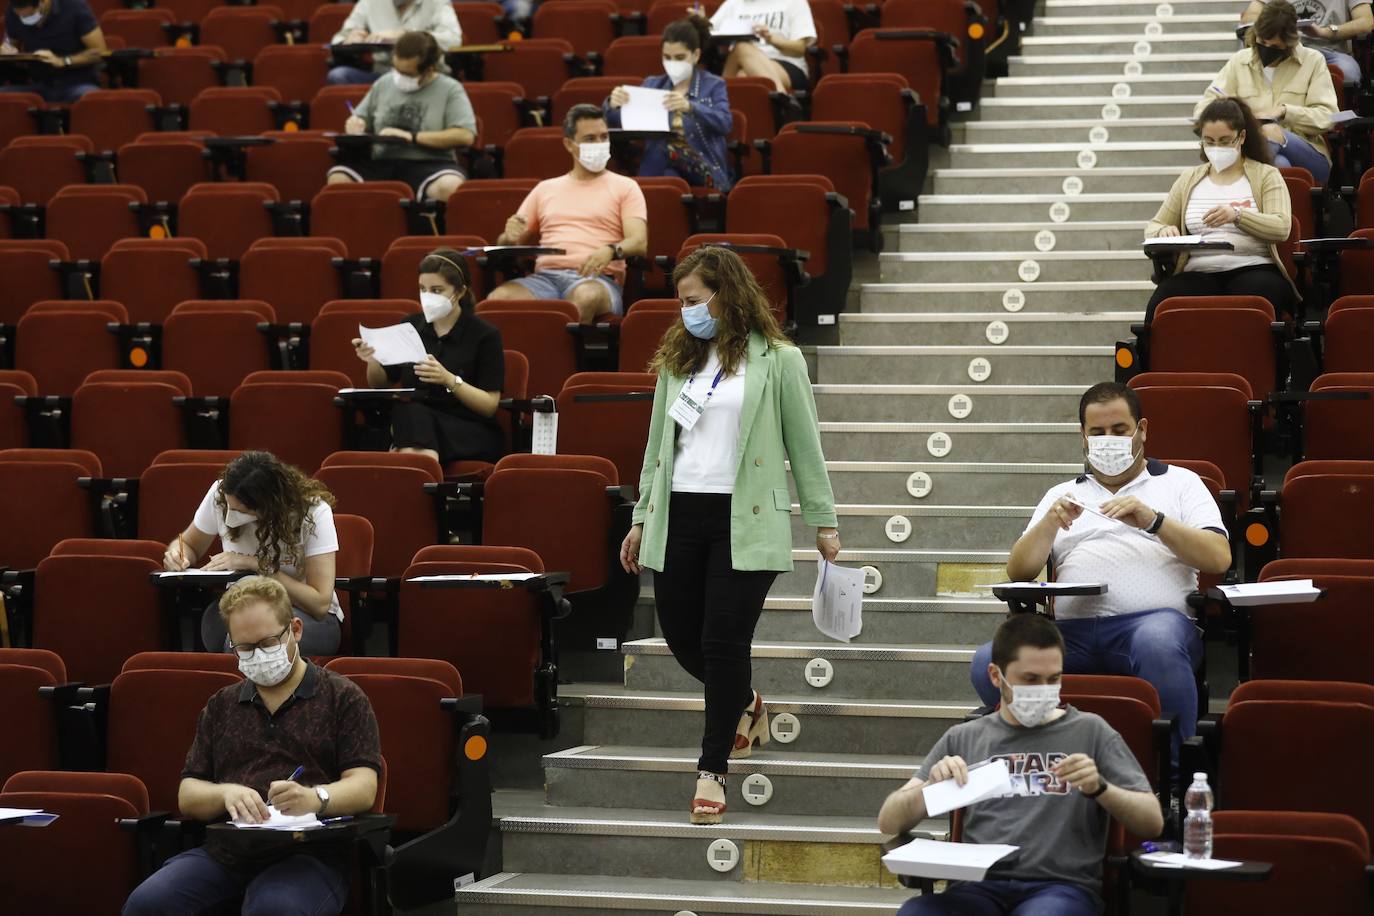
(282, 496)
(743, 309)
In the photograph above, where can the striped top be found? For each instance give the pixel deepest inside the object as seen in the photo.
(1249, 251)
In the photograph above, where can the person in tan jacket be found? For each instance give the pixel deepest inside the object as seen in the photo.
(1287, 86)
(1235, 196)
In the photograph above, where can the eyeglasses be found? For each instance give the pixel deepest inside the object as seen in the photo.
(245, 650)
(1209, 143)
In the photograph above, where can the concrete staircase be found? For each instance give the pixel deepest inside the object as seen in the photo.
(948, 408)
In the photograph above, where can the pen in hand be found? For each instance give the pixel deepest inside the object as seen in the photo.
(296, 774)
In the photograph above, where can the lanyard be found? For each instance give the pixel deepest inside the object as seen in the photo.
(719, 375)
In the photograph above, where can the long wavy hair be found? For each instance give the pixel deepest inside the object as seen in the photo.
(1235, 114)
(743, 309)
(281, 496)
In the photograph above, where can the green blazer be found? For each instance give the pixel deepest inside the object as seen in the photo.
(777, 423)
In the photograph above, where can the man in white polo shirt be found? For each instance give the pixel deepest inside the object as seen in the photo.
(1162, 528)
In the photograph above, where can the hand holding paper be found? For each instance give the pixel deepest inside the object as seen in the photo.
(838, 600)
(644, 109)
(395, 345)
(988, 779)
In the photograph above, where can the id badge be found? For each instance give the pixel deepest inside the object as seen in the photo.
(686, 410)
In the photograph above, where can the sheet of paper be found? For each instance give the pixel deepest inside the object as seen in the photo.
(986, 780)
(1341, 117)
(1179, 860)
(1052, 586)
(923, 858)
(736, 26)
(396, 345)
(644, 110)
(31, 817)
(1292, 591)
(199, 573)
(278, 821)
(1176, 240)
(1093, 510)
(838, 601)
(486, 577)
(373, 390)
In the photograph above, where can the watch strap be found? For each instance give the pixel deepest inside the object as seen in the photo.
(1156, 524)
(323, 794)
(1102, 786)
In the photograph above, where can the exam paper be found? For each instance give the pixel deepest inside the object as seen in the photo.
(1292, 591)
(985, 780)
(1093, 510)
(838, 601)
(923, 858)
(736, 26)
(644, 110)
(1052, 587)
(485, 577)
(1175, 240)
(396, 345)
(1179, 860)
(192, 573)
(278, 821)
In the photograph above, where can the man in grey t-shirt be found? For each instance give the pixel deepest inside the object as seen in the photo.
(1071, 773)
(1334, 23)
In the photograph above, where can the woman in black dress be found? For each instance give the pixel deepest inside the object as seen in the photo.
(459, 383)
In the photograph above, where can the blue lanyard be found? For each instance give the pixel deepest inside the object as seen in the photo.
(719, 375)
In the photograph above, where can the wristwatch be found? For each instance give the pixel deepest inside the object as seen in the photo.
(323, 793)
(1102, 786)
(67, 61)
(1156, 524)
(617, 253)
(457, 383)
(1335, 30)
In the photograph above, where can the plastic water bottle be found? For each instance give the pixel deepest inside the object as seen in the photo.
(1197, 828)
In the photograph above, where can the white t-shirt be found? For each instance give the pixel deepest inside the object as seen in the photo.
(788, 19)
(1140, 572)
(321, 540)
(1249, 251)
(708, 454)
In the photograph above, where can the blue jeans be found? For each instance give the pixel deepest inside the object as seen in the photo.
(348, 76)
(54, 93)
(193, 881)
(557, 284)
(1298, 152)
(1344, 63)
(1005, 898)
(1162, 646)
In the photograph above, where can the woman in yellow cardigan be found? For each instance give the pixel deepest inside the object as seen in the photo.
(732, 406)
(1235, 196)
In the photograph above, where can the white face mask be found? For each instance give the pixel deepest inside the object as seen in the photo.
(236, 519)
(1221, 157)
(678, 70)
(594, 156)
(1111, 455)
(436, 306)
(32, 18)
(268, 667)
(405, 83)
(1031, 704)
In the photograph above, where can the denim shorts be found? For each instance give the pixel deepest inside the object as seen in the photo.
(557, 284)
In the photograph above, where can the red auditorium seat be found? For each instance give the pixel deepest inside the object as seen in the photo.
(581, 90)
(917, 59)
(151, 275)
(539, 64)
(40, 487)
(536, 152)
(217, 343)
(544, 340)
(14, 431)
(368, 216)
(1346, 333)
(615, 430)
(774, 270)
(228, 217)
(387, 488)
(329, 107)
(114, 117)
(238, 111)
(296, 71)
(103, 411)
(589, 25)
(24, 263)
(1179, 404)
(481, 206)
(15, 119)
(168, 495)
(1181, 325)
(145, 28)
(226, 662)
(297, 278)
(295, 164)
(91, 218)
(332, 335)
(179, 74)
(28, 712)
(40, 166)
(498, 107)
(326, 21)
(1288, 641)
(401, 263)
(480, 22)
(640, 334)
(514, 387)
(242, 31)
(850, 160)
(1314, 493)
(669, 204)
(633, 57)
(58, 342)
(164, 166)
(258, 406)
(662, 13)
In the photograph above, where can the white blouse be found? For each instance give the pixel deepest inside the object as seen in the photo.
(707, 454)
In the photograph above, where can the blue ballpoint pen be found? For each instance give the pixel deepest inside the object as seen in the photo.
(296, 774)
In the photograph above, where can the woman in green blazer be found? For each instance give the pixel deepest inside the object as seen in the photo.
(732, 406)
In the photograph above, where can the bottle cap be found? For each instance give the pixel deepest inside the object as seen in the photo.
(1202, 776)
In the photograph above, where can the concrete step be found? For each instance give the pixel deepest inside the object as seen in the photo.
(1058, 106)
(946, 403)
(891, 621)
(1174, 154)
(869, 525)
(1087, 235)
(533, 894)
(1161, 9)
(891, 672)
(1181, 82)
(956, 329)
(1067, 365)
(644, 843)
(1060, 208)
(1126, 180)
(952, 483)
(888, 727)
(1155, 60)
(896, 573)
(1091, 131)
(1211, 41)
(955, 440)
(1147, 26)
(1118, 295)
(1060, 266)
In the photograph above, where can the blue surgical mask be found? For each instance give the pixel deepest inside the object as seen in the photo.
(32, 18)
(698, 320)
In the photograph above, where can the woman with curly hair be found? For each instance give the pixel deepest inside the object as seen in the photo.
(273, 520)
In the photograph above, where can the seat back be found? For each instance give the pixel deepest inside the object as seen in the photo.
(540, 65)
(394, 499)
(258, 420)
(544, 340)
(518, 502)
(1176, 413)
(225, 662)
(589, 25)
(103, 414)
(168, 495)
(242, 31)
(768, 268)
(179, 74)
(296, 280)
(164, 169)
(217, 348)
(634, 56)
(90, 220)
(1340, 429)
(1177, 334)
(30, 714)
(1327, 691)
(916, 59)
(1309, 506)
(228, 218)
(616, 430)
(640, 335)
(366, 217)
(536, 152)
(844, 158)
(329, 108)
(113, 117)
(1292, 641)
(401, 263)
(332, 335)
(235, 111)
(46, 505)
(29, 279)
(486, 203)
(38, 167)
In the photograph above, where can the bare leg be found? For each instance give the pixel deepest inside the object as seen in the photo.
(591, 300)
(748, 60)
(419, 451)
(443, 188)
(511, 290)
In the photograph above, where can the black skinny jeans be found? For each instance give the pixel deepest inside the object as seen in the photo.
(1263, 280)
(707, 611)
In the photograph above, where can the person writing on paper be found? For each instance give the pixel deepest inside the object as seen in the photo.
(732, 407)
(384, 21)
(427, 110)
(1071, 773)
(461, 377)
(65, 37)
(291, 736)
(1162, 528)
(1288, 87)
(597, 217)
(272, 519)
(1235, 196)
(785, 30)
(699, 111)
(1333, 23)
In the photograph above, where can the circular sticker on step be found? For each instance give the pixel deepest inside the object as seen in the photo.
(1073, 186)
(938, 444)
(979, 369)
(684, 913)
(1164, 10)
(722, 855)
(1013, 300)
(918, 484)
(819, 672)
(757, 789)
(1045, 240)
(898, 529)
(1112, 111)
(1087, 159)
(1099, 135)
(1132, 69)
(873, 581)
(1029, 269)
(1059, 212)
(785, 727)
(1154, 29)
(996, 332)
(1121, 91)
(960, 406)
(1141, 49)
